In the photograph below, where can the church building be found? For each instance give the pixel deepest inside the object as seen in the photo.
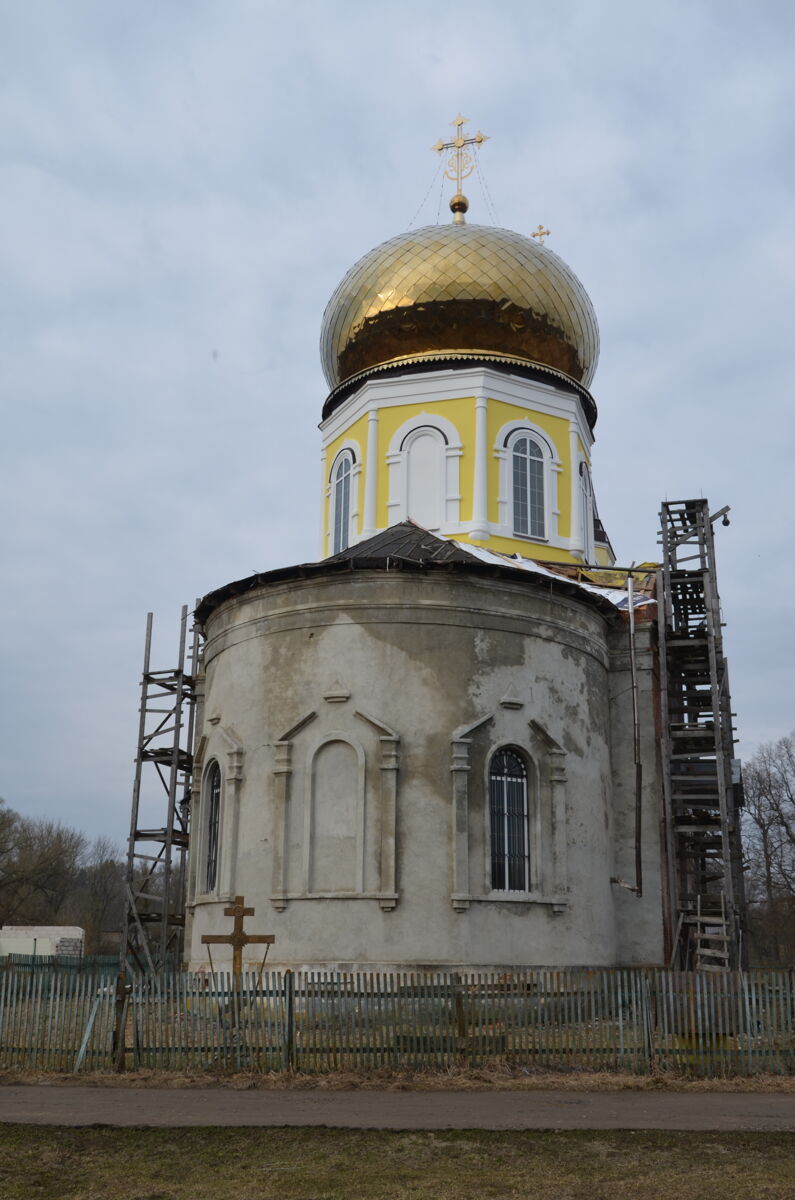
(441, 745)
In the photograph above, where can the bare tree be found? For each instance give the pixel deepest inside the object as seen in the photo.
(769, 785)
(51, 875)
(38, 869)
(100, 896)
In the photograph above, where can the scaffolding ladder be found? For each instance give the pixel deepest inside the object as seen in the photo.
(701, 799)
(154, 924)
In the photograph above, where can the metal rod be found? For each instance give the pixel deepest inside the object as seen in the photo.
(633, 668)
(136, 795)
(154, 919)
(172, 784)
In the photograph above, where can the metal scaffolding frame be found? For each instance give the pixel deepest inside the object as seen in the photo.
(702, 798)
(156, 858)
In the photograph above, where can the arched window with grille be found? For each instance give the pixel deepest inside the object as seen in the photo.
(213, 801)
(341, 501)
(509, 822)
(527, 486)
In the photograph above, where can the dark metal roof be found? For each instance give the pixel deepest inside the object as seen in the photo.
(409, 543)
(406, 547)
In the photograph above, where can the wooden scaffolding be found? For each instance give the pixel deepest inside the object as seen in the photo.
(703, 794)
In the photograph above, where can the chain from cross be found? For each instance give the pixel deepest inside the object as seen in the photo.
(237, 939)
(540, 233)
(460, 164)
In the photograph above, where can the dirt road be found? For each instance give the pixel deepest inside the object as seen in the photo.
(52, 1105)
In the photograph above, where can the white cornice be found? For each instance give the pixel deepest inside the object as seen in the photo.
(433, 386)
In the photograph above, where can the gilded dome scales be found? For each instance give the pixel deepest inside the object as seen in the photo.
(458, 292)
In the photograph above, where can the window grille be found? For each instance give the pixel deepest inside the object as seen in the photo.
(528, 488)
(508, 814)
(213, 820)
(342, 503)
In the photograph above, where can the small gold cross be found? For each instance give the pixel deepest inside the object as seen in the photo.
(540, 233)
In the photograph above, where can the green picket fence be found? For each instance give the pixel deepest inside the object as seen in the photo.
(702, 1024)
(626, 1020)
(56, 1020)
(176, 1021)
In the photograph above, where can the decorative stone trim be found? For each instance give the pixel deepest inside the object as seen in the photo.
(229, 823)
(556, 775)
(386, 817)
(230, 813)
(282, 770)
(389, 741)
(460, 771)
(195, 819)
(548, 820)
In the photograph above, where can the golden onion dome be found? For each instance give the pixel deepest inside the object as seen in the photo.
(459, 292)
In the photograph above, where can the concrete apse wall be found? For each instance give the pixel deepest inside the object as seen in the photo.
(353, 718)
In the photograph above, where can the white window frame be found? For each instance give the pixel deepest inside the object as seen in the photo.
(397, 464)
(551, 465)
(533, 832)
(351, 451)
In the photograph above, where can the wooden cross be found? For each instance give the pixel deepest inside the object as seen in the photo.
(540, 233)
(237, 939)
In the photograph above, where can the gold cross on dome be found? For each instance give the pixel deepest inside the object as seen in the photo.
(540, 233)
(460, 164)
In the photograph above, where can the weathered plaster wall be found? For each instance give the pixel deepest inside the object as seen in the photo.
(640, 921)
(379, 696)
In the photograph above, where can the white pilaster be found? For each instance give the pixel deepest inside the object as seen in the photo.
(371, 474)
(576, 536)
(324, 491)
(480, 513)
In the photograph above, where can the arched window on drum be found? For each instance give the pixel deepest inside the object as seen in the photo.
(424, 449)
(341, 501)
(528, 486)
(509, 821)
(212, 793)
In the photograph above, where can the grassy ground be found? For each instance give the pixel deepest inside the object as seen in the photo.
(499, 1078)
(39, 1163)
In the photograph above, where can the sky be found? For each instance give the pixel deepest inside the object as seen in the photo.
(183, 183)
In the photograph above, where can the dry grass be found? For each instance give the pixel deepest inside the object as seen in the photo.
(497, 1078)
(319, 1164)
